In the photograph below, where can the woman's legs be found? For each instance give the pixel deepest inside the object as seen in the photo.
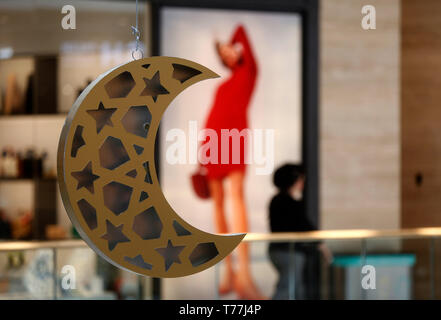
(243, 281)
(217, 194)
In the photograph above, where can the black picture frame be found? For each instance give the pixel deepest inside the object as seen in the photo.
(309, 12)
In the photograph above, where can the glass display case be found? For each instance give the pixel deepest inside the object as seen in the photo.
(64, 270)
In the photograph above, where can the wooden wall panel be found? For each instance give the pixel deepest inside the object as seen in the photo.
(421, 113)
(359, 116)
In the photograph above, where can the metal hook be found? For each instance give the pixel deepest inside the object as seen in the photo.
(134, 51)
(137, 34)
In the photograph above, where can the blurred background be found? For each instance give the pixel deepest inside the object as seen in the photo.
(359, 109)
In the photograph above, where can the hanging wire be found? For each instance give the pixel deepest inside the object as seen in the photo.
(137, 34)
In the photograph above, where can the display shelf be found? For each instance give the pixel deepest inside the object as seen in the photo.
(33, 115)
(44, 191)
(31, 80)
(6, 179)
(37, 74)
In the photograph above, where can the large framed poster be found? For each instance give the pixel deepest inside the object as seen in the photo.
(279, 113)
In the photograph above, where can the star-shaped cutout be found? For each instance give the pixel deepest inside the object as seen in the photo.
(85, 177)
(170, 254)
(114, 235)
(102, 116)
(153, 87)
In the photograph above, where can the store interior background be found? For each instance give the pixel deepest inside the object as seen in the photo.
(379, 146)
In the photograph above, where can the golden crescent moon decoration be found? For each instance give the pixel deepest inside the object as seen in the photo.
(107, 174)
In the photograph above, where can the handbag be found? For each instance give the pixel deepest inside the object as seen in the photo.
(199, 182)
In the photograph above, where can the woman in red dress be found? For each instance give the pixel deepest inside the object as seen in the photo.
(229, 111)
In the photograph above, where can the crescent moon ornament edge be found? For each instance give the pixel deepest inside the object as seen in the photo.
(222, 244)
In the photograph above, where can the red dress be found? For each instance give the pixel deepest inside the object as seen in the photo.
(230, 106)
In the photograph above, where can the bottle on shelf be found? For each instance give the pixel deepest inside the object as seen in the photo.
(27, 164)
(10, 163)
